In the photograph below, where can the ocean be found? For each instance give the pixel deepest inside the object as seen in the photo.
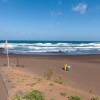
(52, 47)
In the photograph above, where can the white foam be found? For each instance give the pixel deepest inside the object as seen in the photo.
(49, 47)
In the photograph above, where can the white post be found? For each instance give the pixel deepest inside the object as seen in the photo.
(6, 46)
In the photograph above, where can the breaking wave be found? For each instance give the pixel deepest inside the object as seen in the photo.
(53, 48)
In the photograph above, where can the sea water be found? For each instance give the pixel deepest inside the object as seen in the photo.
(52, 47)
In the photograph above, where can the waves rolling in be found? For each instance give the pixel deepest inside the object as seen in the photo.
(51, 47)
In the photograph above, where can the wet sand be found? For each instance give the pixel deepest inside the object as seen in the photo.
(84, 74)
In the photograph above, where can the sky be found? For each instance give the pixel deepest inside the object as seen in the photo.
(64, 20)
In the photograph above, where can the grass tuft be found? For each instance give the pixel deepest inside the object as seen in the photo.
(48, 73)
(60, 80)
(34, 95)
(74, 98)
(95, 98)
(63, 94)
(51, 84)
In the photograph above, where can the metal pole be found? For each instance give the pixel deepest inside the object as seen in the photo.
(17, 61)
(7, 56)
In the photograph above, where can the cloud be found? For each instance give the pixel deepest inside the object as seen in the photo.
(81, 8)
(56, 13)
(53, 24)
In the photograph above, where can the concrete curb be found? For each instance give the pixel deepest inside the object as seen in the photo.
(6, 84)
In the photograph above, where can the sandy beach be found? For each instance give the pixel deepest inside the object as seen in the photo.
(50, 50)
(84, 74)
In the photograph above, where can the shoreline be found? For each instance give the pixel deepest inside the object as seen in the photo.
(65, 55)
(90, 58)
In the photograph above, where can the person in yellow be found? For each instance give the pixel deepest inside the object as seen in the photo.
(65, 66)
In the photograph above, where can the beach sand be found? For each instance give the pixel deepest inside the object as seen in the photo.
(22, 82)
(84, 74)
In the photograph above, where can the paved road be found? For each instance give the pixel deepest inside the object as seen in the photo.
(3, 91)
